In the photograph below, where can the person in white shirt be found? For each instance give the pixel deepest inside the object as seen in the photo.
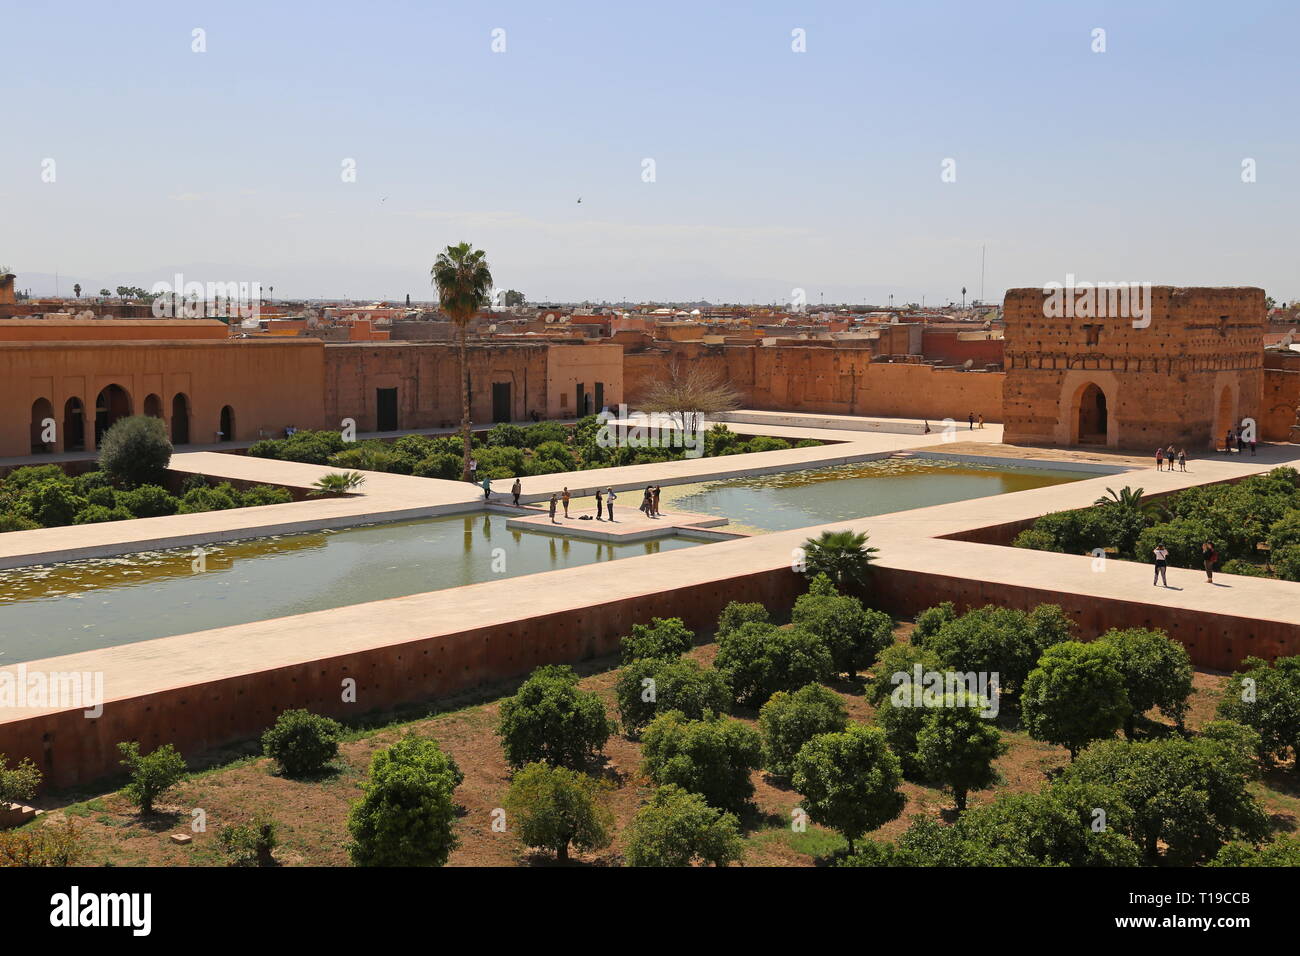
(1162, 562)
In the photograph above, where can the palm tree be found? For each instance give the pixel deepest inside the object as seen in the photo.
(843, 556)
(336, 483)
(1128, 500)
(464, 282)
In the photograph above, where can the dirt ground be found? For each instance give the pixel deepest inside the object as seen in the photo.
(312, 814)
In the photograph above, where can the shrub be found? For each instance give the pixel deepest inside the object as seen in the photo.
(543, 432)
(849, 781)
(406, 815)
(1008, 642)
(102, 496)
(95, 514)
(447, 467)
(504, 435)
(1075, 695)
(25, 477)
(1282, 851)
(1190, 795)
(677, 828)
(647, 687)
(713, 758)
(151, 774)
(13, 522)
(663, 637)
(760, 659)
(302, 742)
(735, 614)
(19, 782)
(853, 634)
(553, 807)
(555, 451)
(148, 501)
(266, 495)
(1286, 562)
(1182, 536)
(789, 720)
(53, 503)
(550, 719)
(43, 845)
(1157, 673)
(1246, 568)
(196, 500)
(1266, 698)
(956, 746)
(1036, 539)
(897, 665)
(764, 443)
(249, 844)
(931, 621)
(136, 450)
(901, 718)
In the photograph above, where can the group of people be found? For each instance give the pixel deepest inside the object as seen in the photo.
(1209, 557)
(1168, 455)
(604, 500)
(650, 502)
(1235, 439)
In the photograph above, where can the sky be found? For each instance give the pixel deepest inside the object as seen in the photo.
(905, 143)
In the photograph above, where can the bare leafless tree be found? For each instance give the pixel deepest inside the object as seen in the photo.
(689, 393)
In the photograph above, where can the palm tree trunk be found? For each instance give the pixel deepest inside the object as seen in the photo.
(461, 332)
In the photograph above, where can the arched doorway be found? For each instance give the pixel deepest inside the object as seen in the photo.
(227, 424)
(1223, 418)
(113, 403)
(180, 419)
(153, 406)
(74, 425)
(1093, 416)
(43, 434)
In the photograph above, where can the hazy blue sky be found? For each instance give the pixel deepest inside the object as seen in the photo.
(773, 169)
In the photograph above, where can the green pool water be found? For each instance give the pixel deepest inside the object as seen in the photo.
(796, 499)
(83, 605)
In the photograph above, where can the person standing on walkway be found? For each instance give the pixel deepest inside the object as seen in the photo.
(554, 498)
(645, 502)
(654, 502)
(971, 418)
(1170, 456)
(516, 490)
(927, 427)
(981, 421)
(1227, 442)
(600, 505)
(565, 498)
(1210, 556)
(1160, 457)
(473, 470)
(1252, 444)
(1162, 564)
(1182, 459)
(487, 488)
(609, 503)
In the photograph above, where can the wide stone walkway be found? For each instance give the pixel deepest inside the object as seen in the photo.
(908, 541)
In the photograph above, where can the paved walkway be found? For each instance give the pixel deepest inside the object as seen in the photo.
(908, 540)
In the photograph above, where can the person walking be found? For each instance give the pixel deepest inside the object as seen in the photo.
(600, 505)
(1182, 459)
(1210, 556)
(515, 490)
(565, 498)
(1252, 444)
(1227, 442)
(927, 427)
(609, 502)
(1162, 563)
(554, 499)
(654, 502)
(487, 488)
(1160, 457)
